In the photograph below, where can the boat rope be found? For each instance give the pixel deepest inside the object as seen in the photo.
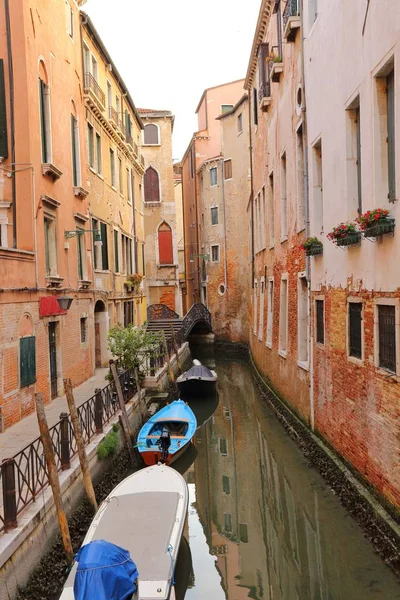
(169, 550)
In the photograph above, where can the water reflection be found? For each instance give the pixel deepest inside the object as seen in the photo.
(264, 525)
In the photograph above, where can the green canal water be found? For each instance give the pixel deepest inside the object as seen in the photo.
(262, 524)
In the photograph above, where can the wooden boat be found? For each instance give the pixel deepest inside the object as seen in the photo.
(167, 434)
(198, 380)
(145, 514)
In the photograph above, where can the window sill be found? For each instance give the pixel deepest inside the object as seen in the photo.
(284, 239)
(154, 145)
(320, 346)
(240, 133)
(84, 284)
(302, 364)
(269, 345)
(54, 281)
(172, 265)
(156, 203)
(355, 361)
(51, 171)
(104, 271)
(260, 338)
(282, 353)
(80, 192)
(271, 247)
(388, 374)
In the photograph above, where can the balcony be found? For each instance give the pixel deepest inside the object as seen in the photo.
(93, 92)
(276, 71)
(291, 20)
(113, 117)
(129, 140)
(264, 95)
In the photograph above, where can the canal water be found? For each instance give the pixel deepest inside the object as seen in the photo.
(262, 524)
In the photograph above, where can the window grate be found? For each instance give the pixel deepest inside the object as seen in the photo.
(355, 339)
(319, 308)
(387, 337)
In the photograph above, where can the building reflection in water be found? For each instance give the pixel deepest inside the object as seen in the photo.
(274, 528)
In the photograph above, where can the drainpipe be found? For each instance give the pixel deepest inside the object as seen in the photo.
(12, 118)
(307, 216)
(223, 204)
(251, 97)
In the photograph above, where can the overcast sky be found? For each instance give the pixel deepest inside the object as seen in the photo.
(169, 51)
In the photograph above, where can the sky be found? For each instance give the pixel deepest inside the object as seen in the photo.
(169, 51)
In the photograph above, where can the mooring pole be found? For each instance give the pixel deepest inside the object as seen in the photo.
(80, 444)
(120, 395)
(53, 476)
(175, 345)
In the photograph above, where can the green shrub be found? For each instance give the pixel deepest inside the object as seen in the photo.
(108, 446)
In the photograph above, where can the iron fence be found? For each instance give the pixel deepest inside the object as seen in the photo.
(24, 476)
(92, 84)
(292, 9)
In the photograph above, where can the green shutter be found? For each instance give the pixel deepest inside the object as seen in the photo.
(42, 88)
(80, 257)
(90, 145)
(104, 248)
(116, 255)
(391, 137)
(3, 114)
(74, 149)
(27, 353)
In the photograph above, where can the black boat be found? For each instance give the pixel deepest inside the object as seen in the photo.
(198, 380)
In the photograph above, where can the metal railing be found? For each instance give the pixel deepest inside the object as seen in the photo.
(129, 139)
(92, 84)
(25, 475)
(113, 115)
(264, 91)
(292, 9)
(198, 313)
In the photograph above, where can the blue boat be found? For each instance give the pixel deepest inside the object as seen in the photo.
(167, 434)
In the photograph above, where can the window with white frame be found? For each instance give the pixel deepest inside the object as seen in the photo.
(98, 153)
(81, 252)
(354, 331)
(387, 334)
(45, 121)
(3, 227)
(255, 298)
(301, 216)
(318, 199)
(270, 312)
(385, 131)
(213, 176)
(214, 215)
(112, 168)
(283, 316)
(50, 244)
(215, 253)
(69, 15)
(91, 145)
(128, 186)
(261, 312)
(283, 185)
(271, 210)
(76, 162)
(120, 177)
(302, 319)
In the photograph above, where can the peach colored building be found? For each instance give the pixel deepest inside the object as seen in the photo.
(43, 194)
(160, 219)
(279, 337)
(205, 144)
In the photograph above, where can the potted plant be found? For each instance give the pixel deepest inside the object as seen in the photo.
(134, 282)
(345, 234)
(312, 246)
(376, 222)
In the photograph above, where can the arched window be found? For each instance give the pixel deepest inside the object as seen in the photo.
(165, 252)
(151, 186)
(151, 135)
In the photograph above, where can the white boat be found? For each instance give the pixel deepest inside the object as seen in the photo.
(145, 514)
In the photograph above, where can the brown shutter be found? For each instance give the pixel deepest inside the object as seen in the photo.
(151, 186)
(165, 245)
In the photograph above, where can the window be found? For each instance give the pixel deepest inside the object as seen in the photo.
(94, 68)
(355, 329)
(214, 253)
(301, 215)
(387, 337)
(270, 313)
(283, 317)
(213, 176)
(214, 215)
(228, 522)
(284, 215)
(255, 107)
(112, 167)
(76, 167)
(44, 103)
(104, 247)
(109, 95)
(391, 144)
(261, 323)
(50, 245)
(151, 135)
(96, 249)
(83, 329)
(255, 308)
(130, 257)
(384, 133)
(226, 108)
(124, 250)
(192, 162)
(120, 179)
(223, 447)
(86, 60)
(128, 186)
(240, 123)
(320, 324)
(165, 250)
(151, 186)
(228, 169)
(226, 484)
(271, 210)
(243, 535)
(98, 152)
(128, 313)
(117, 105)
(302, 318)
(27, 360)
(116, 252)
(70, 19)
(91, 145)
(353, 155)
(80, 242)
(317, 188)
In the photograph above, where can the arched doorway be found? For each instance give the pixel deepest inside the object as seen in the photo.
(100, 334)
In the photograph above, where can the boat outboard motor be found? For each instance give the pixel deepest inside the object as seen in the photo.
(164, 443)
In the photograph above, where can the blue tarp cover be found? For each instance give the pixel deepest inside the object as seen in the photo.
(105, 572)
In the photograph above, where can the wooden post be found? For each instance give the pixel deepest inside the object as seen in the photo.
(80, 444)
(98, 411)
(176, 350)
(138, 393)
(64, 441)
(170, 371)
(128, 441)
(120, 398)
(53, 476)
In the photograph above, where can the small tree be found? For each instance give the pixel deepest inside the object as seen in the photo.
(128, 344)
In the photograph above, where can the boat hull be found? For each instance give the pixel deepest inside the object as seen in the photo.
(196, 387)
(153, 456)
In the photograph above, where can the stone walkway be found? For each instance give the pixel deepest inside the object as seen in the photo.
(21, 434)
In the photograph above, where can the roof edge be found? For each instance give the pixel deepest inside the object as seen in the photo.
(261, 27)
(214, 87)
(233, 109)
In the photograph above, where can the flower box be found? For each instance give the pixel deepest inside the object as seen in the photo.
(314, 250)
(380, 227)
(349, 239)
